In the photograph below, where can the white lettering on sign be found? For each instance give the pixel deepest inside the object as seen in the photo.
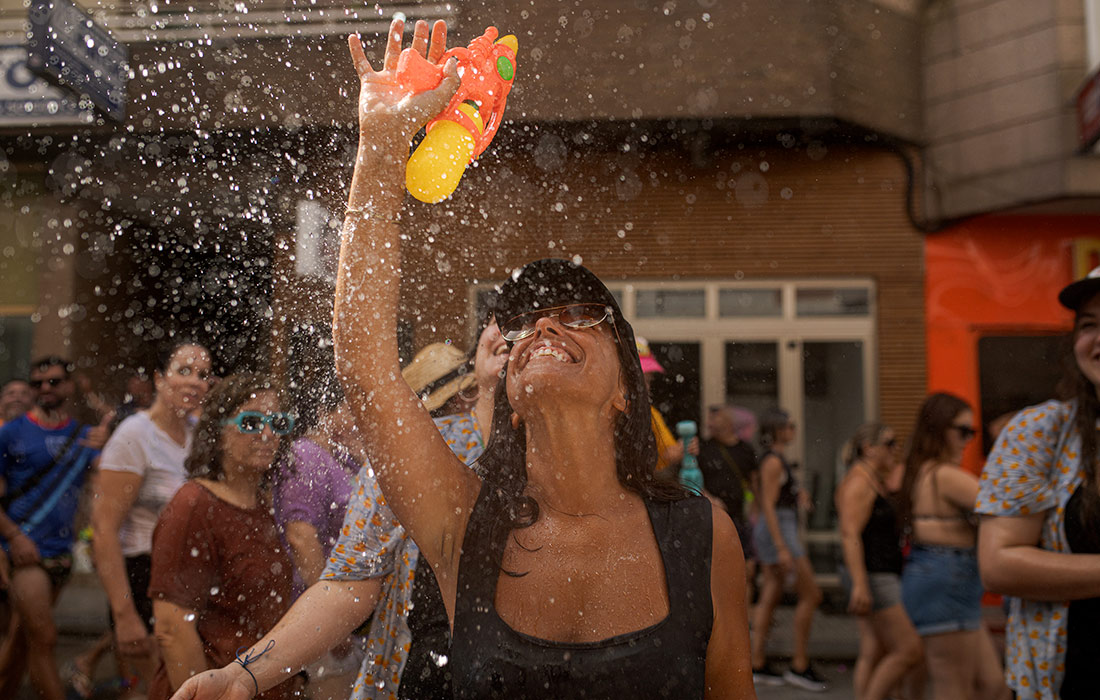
(27, 100)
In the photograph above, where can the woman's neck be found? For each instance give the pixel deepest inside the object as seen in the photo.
(168, 419)
(239, 486)
(880, 471)
(571, 461)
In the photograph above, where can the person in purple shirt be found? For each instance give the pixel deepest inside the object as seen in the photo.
(311, 494)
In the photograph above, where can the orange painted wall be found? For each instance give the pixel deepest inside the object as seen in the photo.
(994, 274)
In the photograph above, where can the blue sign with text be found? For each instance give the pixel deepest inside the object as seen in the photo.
(68, 48)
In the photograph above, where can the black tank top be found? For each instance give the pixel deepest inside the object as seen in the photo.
(665, 660)
(427, 673)
(1082, 679)
(882, 538)
(788, 492)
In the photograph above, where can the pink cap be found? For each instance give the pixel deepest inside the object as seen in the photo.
(645, 355)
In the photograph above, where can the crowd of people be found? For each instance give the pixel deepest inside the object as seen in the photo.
(510, 521)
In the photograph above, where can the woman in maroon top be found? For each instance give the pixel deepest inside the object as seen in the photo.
(220, 574)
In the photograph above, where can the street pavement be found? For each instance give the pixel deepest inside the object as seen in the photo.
(81, 616)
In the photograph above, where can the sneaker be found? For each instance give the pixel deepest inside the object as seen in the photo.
(807, 679)
(767, 675)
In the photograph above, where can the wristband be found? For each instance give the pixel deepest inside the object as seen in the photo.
(249, 658)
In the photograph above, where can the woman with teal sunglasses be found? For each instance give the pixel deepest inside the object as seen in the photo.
(221, 575)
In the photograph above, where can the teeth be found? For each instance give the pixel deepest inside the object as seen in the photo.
(547, 351)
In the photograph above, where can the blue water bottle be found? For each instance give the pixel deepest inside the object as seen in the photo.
(690, 476)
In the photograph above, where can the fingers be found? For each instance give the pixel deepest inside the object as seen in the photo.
(450, 76)
(393, 44)
(420, 37)
(439, 41)
(358, 57)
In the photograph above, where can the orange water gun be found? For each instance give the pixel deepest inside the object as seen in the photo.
(464, 129)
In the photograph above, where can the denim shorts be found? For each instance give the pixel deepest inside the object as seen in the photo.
(766, 551)
(885, 588)
(942, 590)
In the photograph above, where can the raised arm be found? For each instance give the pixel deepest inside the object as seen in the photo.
(428, 488)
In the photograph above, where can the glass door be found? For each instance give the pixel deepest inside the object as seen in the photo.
(832, 392)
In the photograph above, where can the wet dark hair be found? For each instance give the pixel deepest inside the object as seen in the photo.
(167, 351)
(771, 422)
(44, 363)
(503, 466)
(224, 401)
(1075, 386)
(928, 443)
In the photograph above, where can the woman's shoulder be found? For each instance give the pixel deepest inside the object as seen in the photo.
(1048, 415)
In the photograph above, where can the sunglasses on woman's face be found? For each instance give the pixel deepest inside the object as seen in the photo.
(575, 316)
(252, 422)
(964, 431)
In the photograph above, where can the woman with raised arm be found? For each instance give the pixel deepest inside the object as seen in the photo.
(556, 560)
(1040, 535)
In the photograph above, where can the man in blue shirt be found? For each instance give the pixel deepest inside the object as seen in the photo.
(45, 457)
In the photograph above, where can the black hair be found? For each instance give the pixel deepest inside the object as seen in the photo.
(771, 422)
(168, 350)
(503, 466)
(44, 363)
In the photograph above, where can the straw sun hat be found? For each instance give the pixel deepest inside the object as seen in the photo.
(437, 373)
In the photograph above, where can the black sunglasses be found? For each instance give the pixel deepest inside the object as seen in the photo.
(964, 431)
(52, 381)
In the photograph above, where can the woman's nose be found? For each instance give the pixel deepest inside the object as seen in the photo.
(548, 322)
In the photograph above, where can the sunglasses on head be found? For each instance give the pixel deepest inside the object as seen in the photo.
(964, 431)
(575, 316)
(252, 422)
(52, 381)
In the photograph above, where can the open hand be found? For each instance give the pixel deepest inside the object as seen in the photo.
(385, 108)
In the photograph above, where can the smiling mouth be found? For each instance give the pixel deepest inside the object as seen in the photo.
(548, 351)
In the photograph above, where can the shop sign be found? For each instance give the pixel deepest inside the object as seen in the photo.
(67, 48)
(27, 100)
(1088, 112)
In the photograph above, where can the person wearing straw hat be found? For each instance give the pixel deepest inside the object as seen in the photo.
(375, 567)
(437, 373)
